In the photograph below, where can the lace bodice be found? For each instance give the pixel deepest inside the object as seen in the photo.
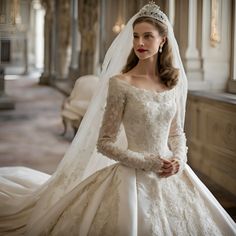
(147, 118)
(150, 122)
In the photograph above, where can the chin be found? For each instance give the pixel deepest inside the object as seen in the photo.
(143, 57)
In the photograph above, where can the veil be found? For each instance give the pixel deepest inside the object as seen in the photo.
(81, 159)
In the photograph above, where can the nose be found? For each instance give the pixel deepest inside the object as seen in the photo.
(140, 42)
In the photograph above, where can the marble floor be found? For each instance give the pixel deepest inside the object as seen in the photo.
(30, 135)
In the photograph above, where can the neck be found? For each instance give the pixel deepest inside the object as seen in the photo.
(147, 67)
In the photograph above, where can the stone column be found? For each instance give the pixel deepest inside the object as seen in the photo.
(63, 38)
(26, 55)
(73, 70)
(5, 101)
(102, 32)
(2, 82)
(232, 81)
(192, 57)
(53, 41)
(45, 77)
(233, 63)
(88, 12)
(170, 11)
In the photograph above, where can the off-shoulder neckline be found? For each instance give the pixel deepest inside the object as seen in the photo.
(143, 89)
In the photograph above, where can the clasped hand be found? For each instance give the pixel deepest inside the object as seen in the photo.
(169, 167)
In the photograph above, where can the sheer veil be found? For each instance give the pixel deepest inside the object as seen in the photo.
(27, 196)
(82, 159)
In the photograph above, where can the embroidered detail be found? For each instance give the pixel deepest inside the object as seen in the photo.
(162, 206)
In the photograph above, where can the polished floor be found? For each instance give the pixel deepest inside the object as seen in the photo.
(30, 135)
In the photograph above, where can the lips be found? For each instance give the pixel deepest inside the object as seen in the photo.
(141, 50)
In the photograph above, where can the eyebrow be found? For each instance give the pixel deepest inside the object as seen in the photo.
(143, 33)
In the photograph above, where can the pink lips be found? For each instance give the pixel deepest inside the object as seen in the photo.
(141, 50)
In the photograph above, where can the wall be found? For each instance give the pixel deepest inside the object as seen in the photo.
(211, 135)
(14, 24)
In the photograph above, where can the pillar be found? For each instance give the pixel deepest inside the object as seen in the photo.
(74, 67)
(192, 58)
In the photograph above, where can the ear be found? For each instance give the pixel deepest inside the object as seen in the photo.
(163, 41)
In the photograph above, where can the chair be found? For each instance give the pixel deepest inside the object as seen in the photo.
(75, 106)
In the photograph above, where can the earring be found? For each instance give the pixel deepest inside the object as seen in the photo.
(160, 49)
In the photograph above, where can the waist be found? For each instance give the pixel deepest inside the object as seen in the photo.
(161, 152)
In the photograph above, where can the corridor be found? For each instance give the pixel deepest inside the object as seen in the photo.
(30, 134)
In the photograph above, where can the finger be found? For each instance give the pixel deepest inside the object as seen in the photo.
(174, 161)
(165, 175)
(166, 166)
(173, 164)
(161, 172)
(176, 166)
(175, 170)
(166, 161)
(168, 175)
(167, 170)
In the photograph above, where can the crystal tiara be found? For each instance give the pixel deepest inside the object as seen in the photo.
(152, 10)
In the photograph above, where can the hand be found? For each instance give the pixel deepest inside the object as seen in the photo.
(170, 167)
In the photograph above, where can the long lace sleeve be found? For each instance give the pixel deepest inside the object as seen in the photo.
(177, 142)
(112, 119)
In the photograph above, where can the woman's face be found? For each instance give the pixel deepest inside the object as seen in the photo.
(146, 40)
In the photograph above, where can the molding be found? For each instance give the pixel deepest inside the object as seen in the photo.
(192, 51)
(232, 86)
(211, 132)
(232, 81)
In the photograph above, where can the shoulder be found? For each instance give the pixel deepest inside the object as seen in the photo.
(119, 81)
(117, 85)
(121, 78)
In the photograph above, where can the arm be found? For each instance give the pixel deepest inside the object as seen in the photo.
(112, 119)
(177, 142)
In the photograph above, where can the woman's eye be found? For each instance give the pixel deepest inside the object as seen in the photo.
(135, 36)
(147, 36)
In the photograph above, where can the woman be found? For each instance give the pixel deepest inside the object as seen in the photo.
(151, 190)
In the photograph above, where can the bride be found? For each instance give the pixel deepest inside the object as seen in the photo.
(136, 182)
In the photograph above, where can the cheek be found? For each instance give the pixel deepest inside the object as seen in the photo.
(134, 43)
(155, 44)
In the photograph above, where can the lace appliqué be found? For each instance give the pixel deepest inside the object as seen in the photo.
(175, 207)
(112, 119)
(177, 142)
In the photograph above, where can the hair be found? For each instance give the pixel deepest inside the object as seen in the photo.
(168, 74)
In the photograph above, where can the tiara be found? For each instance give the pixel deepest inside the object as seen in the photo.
(152, 10)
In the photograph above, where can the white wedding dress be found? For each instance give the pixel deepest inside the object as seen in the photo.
(127, 198)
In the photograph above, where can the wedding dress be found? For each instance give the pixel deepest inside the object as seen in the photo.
(123, 194)
(127, 201)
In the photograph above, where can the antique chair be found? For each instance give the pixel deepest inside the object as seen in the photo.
(75, 106)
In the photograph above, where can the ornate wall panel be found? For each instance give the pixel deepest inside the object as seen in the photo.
(211, 134)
